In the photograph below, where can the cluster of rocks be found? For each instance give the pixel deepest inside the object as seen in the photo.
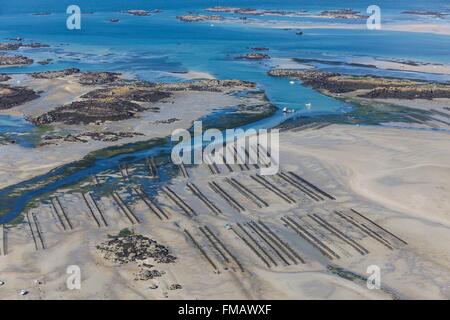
(121, 99)
(45, 62)
(146, 271)
(251, 11)
(128, 93)
(6, 140)
(170, 120)
(55, 74)
(434, 14)
(260, 48)
(6, 46)
(35, 45)
(426, 92)
(199, 17)
(141, 13)
(210, 85)
(11, 46)
(134, 248)
(254, 56)
(14, 96)
(98, 78)
(15, 61)
(368, 86)
(343, 14)
(90, 111)
(175, 286)
(4, 77)
(106, 136)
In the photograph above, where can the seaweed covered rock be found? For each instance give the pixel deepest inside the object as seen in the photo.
(90, 111)
(55, 74)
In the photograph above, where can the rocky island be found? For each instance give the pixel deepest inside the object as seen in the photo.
(342, 14)
(8, 61)
(368, 86)
(141, 13)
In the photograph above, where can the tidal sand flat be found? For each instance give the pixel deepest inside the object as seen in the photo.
(337, 206)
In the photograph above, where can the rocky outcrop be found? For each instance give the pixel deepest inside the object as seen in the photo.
(434, 14)
(128, 93)
(7, 46)
(14, 96)
(98, 78)
(197, 18)
(55, 74)
(251, 11)
(16, 44)
(138, 249)
(124, 99)
(105, 136)
(371, 87)
(343, 14)
(4, 77)
(15, 61)
(134, 248)
(254, 56)
(35, 45)
(141, 13)
(90, 111)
